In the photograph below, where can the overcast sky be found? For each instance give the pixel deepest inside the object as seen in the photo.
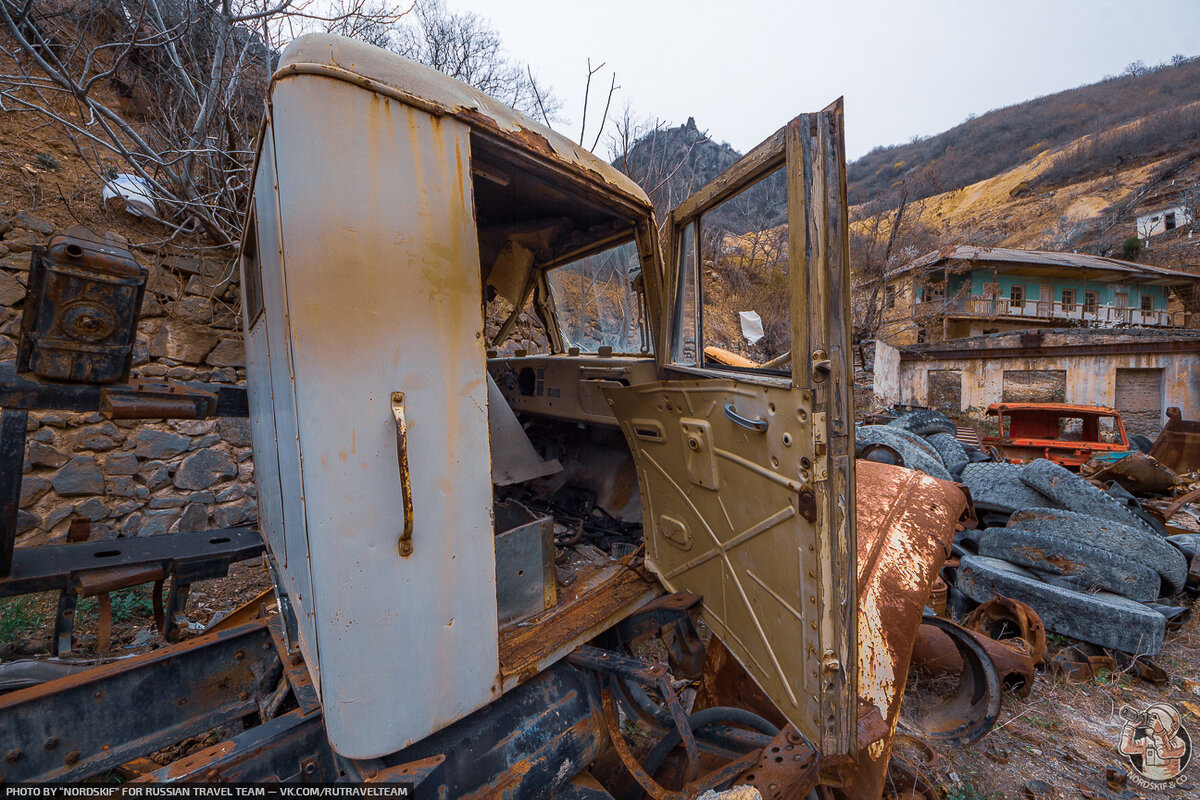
(744, 67)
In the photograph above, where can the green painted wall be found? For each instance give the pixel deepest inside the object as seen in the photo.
(1107, 292)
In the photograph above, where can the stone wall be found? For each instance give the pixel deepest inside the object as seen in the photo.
(138, 478)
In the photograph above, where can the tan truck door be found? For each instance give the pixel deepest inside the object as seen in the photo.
(745, 451)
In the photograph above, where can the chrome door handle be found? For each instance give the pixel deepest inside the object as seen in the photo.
(759, 425)
(405, 545)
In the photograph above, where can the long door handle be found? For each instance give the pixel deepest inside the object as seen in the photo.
(405, 545)
(759, 425)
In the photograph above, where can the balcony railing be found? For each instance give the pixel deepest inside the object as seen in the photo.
(1103, 316)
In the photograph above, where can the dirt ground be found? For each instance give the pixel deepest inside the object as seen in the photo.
(1061, 741)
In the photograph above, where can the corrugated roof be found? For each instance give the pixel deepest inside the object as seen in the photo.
(1080, 261)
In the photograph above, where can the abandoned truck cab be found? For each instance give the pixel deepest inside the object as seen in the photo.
(450, 515)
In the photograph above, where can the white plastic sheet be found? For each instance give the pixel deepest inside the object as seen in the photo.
(134, 191)
(752, 327)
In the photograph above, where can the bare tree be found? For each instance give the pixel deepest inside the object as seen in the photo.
(170, 91)
(463, 46)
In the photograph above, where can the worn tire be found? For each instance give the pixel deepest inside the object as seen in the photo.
(1073, 493)
(998, 487)
(1083, 566)
(1134, 544)
(922, 457)
(924, 422)
(1107, 620)
(1141, 442)
(954, 455)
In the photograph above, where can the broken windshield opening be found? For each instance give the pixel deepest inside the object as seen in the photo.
(597, 304)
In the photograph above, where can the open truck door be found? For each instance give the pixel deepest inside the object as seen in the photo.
(744, 452)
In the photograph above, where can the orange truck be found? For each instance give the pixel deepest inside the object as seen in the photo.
(1061, 432)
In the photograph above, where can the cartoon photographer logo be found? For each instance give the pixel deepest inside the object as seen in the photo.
(1156, 743)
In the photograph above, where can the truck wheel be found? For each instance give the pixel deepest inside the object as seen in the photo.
(925, 422)
(922, 456)
(1134, 544)
(1103, 619)
(998, 486)
(1142, 443)
(953, 454)
(1073, 493)
(1084, 566)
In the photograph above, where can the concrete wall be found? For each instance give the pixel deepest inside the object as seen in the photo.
(1090, 379)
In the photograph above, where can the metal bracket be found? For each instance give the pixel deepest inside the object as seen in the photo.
(405, 545)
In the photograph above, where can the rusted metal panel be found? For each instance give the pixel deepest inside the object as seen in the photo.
(81, 311)
(906, 522)
(376, 238)
(434, 93)
(201, 684)
(1178, 446)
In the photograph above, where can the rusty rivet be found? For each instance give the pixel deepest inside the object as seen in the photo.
(181, 701)
(13, 756)
(72, 758)
(243, 695)
(51, 743)
(239, 655)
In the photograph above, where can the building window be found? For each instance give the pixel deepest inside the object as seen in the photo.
(1091, 302)
(1169, 220)
(1016, 297)
(1068, 300)
(1147, 302)
(889, 297)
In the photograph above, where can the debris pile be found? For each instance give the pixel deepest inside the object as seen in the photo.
(1103, 559)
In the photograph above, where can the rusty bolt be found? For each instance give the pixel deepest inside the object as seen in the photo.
(72, 758)
(239, 655)
(13, 755)
(51, 743)
(310, 768)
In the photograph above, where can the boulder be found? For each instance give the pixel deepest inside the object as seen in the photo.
(79, 476)
(160, 444)
(204, 468)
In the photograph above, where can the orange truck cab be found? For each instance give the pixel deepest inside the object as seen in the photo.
(1061, 432)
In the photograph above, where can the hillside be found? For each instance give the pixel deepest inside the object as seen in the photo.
(1006, 137)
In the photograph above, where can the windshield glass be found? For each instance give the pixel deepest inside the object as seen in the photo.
(596, 303)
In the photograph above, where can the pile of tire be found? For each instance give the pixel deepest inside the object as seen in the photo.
(1088, 561)
(923, 440)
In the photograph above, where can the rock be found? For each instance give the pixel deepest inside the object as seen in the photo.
(182, 341)
(8, 348)
(143, 638)
(151, 308)
(195, 518)
(120, 464)
(56, 515)
(20, 240)
(45, 436)
(193, 309)
(228, 353)
(182, 373)
(236, 513)
(43, 455)
(246, 473)
(193, 427)
(229, 494)
(31, 223)
(163, 282)
(204, 468)
(167, 501)
(54, 420)
(204, 497)
(32, 489)
(235, 431)
(243, 453)
(102, 438)
(27, 521)
(131, 524)
(155, 474)
(155, 522)
(207, 440)
(29, 647)
(126, 507)
(80, 476)
(154, 371)
(160, 444)
(120, 486)
(225, 375)
(92, 509)
(201, 285)
(11, 290)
